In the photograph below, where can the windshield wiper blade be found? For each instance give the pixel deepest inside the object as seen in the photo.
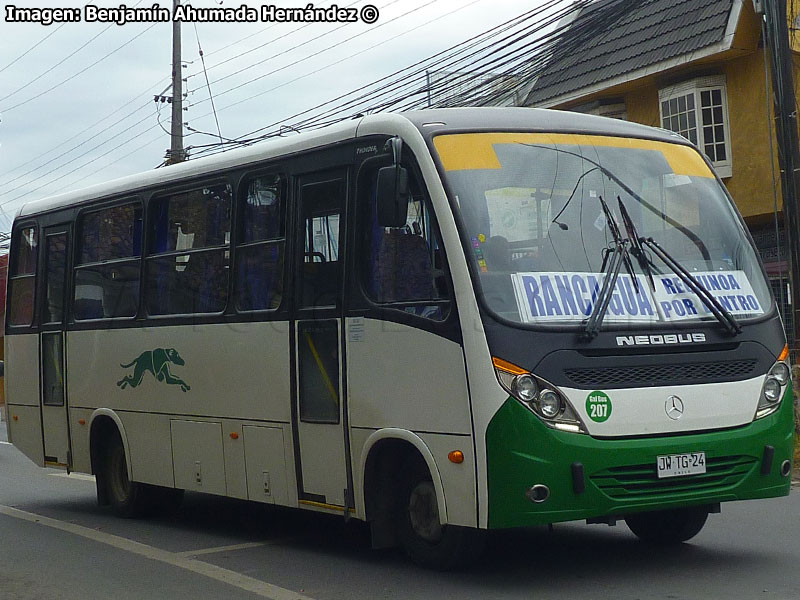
(602, 300)
(636, 244)
(615, 233)
(612, 264)
(722, 314)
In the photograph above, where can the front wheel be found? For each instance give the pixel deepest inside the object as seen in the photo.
(127, 498)
(668, 526)
(425, 540)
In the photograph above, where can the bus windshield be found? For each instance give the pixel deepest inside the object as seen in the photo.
(544, 212)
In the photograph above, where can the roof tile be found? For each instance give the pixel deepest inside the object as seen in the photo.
(648, 32)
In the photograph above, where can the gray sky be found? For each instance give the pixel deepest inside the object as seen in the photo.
(38, 158)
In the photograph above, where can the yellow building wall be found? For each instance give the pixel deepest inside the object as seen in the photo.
(751, 183)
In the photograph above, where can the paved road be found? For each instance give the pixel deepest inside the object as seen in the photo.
(55, 543)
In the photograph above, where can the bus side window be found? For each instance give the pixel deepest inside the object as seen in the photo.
(23, 276)
(187, 263)
(404, 266)
(261, 244)
(107, 269)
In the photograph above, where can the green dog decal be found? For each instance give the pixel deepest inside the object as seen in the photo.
(156, 362)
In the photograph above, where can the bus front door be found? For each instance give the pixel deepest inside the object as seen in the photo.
(319, 400)
(52, 355)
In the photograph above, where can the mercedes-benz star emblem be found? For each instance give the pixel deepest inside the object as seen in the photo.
(674, 408)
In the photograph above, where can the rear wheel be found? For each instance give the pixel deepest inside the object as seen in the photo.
(668, 526)
(425, 540)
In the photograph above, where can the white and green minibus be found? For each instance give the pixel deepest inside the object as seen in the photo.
(439, 322)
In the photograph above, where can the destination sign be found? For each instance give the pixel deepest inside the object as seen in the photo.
(571, 296)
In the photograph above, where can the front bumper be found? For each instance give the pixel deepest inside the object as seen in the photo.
(619, 475)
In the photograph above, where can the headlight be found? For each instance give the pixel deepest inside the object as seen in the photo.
(774, 386)
(772, 389)
(780, 371)
(538, 396)
(524, 387)
(549, 404)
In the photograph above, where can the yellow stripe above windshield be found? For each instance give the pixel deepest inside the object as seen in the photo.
(468, 151)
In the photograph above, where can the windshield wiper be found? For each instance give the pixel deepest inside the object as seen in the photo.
(636, 244)
(612, 264)
(722, 314)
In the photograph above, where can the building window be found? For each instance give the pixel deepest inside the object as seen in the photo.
(698, 110)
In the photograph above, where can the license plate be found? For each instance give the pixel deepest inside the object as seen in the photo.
(676, 465)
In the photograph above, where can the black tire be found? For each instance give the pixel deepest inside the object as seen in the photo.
(424, 539)
(128, 499)
(668, 526)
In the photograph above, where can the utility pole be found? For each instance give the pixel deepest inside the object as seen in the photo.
(176, 152)
(788, 144)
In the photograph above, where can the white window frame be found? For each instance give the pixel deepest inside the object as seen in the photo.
(696, 87)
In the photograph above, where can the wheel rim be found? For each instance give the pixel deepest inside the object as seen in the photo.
(423, 512)
(118, 478)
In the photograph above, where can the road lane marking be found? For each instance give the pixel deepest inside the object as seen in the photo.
(219, 549)
(6, 443)
(243, 582)
(82, 476)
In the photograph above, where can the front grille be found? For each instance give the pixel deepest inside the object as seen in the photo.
(641, 481)
(655, 375)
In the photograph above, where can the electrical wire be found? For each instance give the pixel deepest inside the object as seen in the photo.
(493, 48)
(58, 64)
(82, 71)
(389, 83)
(314, 54)
(87, 152)
(118, 146)
(32, 48)
(89, 128)
(210, 95)
(401, 78)
(346, 58)
(272, 41)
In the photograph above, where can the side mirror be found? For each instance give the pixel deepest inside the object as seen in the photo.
(392, 203)
(392, 200)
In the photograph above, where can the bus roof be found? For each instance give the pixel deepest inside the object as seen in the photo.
(428, 122)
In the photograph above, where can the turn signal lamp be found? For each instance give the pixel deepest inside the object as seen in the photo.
(456, 456)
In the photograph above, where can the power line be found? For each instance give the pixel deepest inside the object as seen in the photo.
(272, 41)
(89, 128)
(327, 66)
(32, 48)
(314, 54)
(118, 146)
(73, 76)
(396, 88)
(402, 77)
(540, 52)
(210, 95)
(89, 151)
(58, 64)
